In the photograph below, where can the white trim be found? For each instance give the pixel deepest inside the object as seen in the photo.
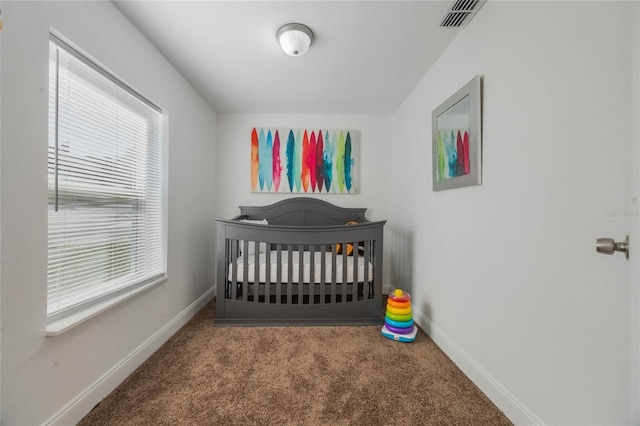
(81, 55)
(59, 326)
(501, 397)
(83, 403)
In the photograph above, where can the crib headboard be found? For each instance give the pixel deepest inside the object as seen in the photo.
(304, 211)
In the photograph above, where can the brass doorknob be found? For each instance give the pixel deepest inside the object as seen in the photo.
(609, 246)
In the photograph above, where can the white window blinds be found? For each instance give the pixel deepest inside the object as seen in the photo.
(105, 221)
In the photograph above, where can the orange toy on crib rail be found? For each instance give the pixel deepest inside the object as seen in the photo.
(349, 245)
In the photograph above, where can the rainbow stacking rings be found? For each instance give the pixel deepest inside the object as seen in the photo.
(398, 320)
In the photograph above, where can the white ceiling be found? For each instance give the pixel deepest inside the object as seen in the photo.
(366, 58)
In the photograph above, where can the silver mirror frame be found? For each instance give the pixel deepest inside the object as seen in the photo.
(473, 90)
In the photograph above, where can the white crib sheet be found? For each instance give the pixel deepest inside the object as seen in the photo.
(306, 268)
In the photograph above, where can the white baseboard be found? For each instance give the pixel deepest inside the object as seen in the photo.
(80, 406)
(501, 397)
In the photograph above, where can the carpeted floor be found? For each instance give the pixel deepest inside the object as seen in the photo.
(206, 375)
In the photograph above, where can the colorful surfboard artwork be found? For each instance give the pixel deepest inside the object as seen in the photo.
(255, 164)
(306, 161)
(319, 162)
(453, 153)
(276, 166)
(306, 148)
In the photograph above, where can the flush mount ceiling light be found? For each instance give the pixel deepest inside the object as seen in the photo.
(295, 39)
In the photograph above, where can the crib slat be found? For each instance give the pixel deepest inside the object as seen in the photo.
(366, 293)
(323, 272)
(290, 273)
(245, 271)
(267, 278)
(300, 281)
(343, 286)
(354, 272)
(279, 274)
(312, 273)
(334, 256)
(377, 261)
(367, 279)
(234, 269)
(256, 271)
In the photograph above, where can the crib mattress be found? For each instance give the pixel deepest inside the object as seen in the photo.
(317, 267)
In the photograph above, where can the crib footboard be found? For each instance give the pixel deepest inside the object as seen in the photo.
(299, 275)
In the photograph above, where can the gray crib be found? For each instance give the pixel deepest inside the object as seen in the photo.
(305, 267)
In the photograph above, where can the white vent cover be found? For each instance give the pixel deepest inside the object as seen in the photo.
(460, 13)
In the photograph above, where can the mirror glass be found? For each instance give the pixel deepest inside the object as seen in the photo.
(453, 141)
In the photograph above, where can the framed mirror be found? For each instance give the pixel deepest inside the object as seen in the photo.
(457, 139)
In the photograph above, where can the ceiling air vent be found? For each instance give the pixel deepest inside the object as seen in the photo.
(460, 13)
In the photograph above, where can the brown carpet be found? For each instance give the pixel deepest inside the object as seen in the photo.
(206, 375)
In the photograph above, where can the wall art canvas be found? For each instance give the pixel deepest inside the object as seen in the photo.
(453, 153)
(314, 161)
(457, 139)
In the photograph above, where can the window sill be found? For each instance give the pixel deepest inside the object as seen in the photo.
(57, 327)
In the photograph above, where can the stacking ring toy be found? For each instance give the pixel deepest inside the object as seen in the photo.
(399, 295)
(398, 321)
(404, 298)
(396, 304)
(399, 311)
(398, 324)
(399, 330)
(395, 317)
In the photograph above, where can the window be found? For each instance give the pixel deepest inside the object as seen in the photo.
(105, 233)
